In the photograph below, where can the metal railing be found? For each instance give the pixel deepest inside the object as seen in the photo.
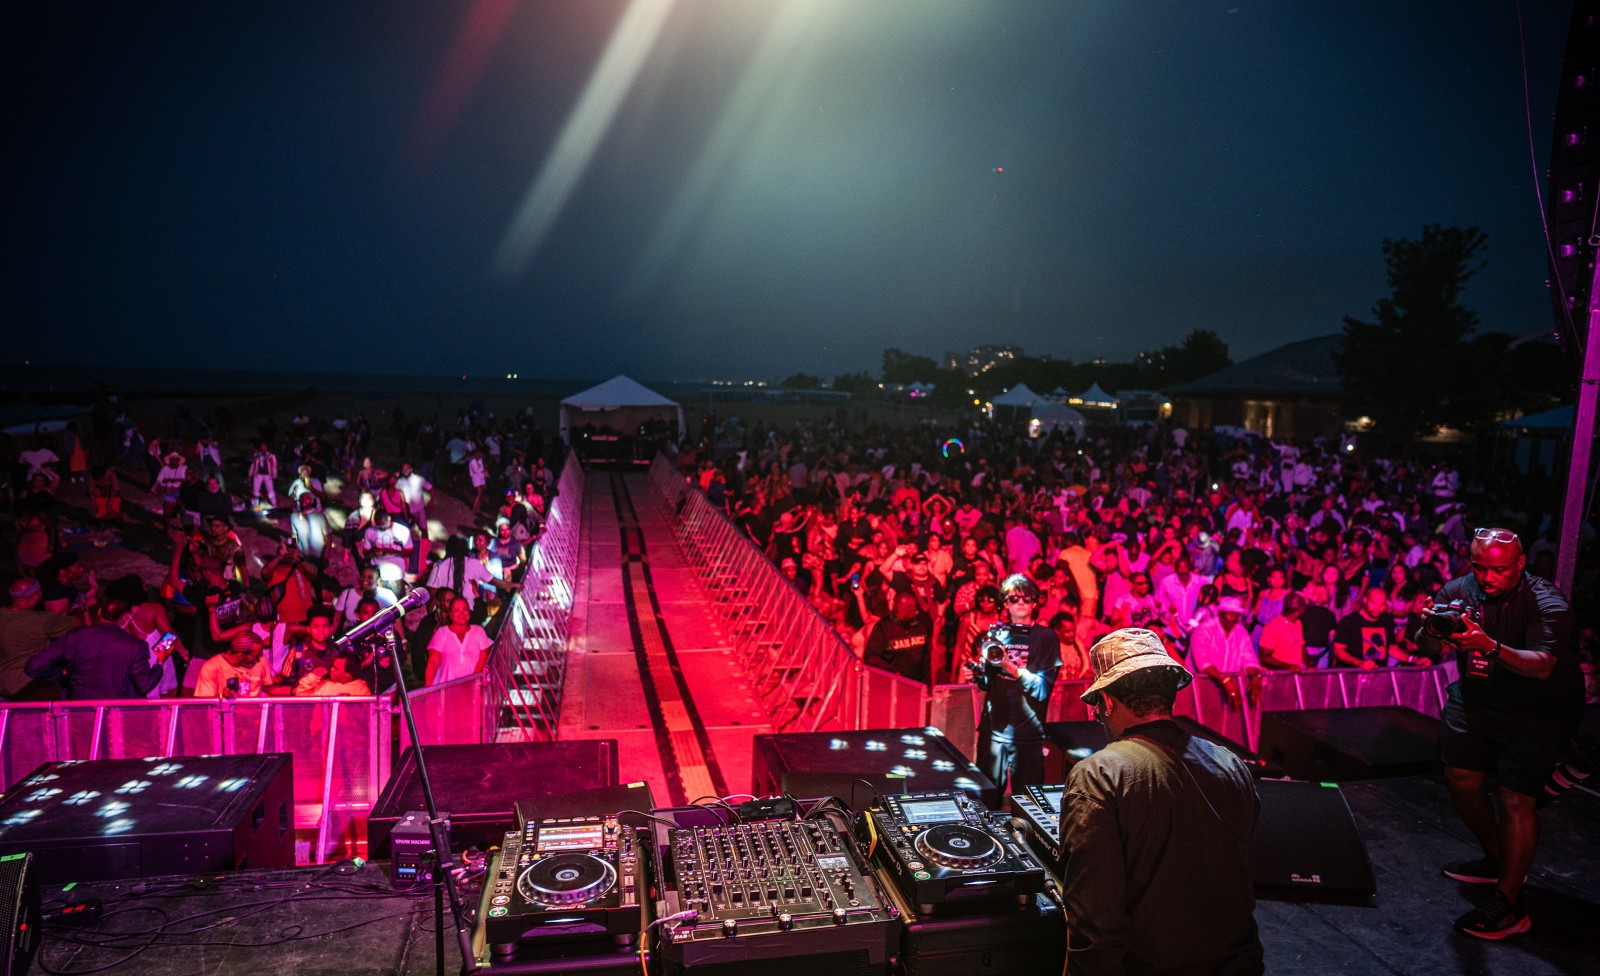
(803, 672)
(528, 665)
(1419, 689)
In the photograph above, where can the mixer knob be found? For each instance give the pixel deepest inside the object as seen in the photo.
(730, 927)
(839, 916)
(785, 921)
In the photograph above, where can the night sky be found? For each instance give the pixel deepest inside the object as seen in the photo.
(748, 188)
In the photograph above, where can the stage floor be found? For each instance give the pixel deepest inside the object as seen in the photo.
(1407, 823)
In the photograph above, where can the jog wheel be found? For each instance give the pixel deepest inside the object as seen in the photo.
(566, 879)
(958, 846)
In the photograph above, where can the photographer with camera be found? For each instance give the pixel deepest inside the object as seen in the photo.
(1506, 718)
(1016, 668)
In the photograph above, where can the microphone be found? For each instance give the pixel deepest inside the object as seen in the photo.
(383, 618)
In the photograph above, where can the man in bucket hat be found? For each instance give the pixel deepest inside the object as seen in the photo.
(1221, 649)
(1155, 830)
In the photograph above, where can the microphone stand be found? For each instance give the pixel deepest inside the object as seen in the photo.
(442, 853)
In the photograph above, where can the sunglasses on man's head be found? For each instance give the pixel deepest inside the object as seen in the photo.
(1495, 535)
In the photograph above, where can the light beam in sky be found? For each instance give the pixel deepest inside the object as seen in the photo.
(580, 137)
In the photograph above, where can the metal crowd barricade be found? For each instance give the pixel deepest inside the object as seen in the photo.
(805, 674)
(340, 746)
(528, 664)
(1419, 689)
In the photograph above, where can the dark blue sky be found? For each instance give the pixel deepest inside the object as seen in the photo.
(760, 187)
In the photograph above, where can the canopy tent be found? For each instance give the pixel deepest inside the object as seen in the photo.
(1051, 417)
(1013, 403)
(1561, 418)
(620, 404)
(1095, 397)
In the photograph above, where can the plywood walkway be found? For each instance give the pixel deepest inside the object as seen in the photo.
(648, 664)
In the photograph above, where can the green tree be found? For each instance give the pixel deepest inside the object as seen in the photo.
(900, 366)
(802, 381)
(1411, 368)
(855, 383)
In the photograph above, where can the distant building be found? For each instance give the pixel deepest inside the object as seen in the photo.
(1291, 392)
(980, 359)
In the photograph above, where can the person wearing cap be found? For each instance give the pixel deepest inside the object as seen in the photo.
(25, 630)
(1016, 688)
(1519, 699)
(1155, 829)
(1221, 649)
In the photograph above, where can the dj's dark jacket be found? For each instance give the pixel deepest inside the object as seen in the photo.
(1533, 617)
(1155, 861)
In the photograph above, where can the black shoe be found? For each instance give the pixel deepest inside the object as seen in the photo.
(1495, 919)
(1482, 870)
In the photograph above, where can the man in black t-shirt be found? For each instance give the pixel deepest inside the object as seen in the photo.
(1366, 638)
(899, 642)
(1017, 687)
(1519, 697)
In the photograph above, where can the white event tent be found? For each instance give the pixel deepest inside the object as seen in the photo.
(619, 403)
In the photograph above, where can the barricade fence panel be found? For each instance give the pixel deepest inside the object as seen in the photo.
(807, 677)
(527, 665)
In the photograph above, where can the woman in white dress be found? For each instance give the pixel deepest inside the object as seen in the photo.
(457, 649)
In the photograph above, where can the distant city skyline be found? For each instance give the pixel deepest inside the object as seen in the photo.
(751, 188)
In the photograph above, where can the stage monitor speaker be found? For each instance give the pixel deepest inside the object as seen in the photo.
(1350, 743)
(918, 759)
(20, 926)
(100, 819)
(479, 785)
(1067, 743)
(1306, 844)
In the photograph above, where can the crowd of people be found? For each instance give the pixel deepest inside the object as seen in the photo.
(1245, 555)
(273, 549)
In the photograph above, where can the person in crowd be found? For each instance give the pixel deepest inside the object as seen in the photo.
(67, 584)
(263, 476)
(211, 501)
(309, 651)
(291, 582)
(1016, 682)
(26, 628)
(308, 526)
(343, 679)
(457, 649)
(147, 620)
(38, 536)
(307, 483)
(416, 492)
(388, 544)
(105, 494)
(169, 481)
(1179, 595)
(1074, 656)
(240, 671)
(461, 573)
(100, 661)
(1519, 697)
(985, 613)
(1283, 642)
(1152, 826)
(902, 641)
(1221, 649)
(1366, 639)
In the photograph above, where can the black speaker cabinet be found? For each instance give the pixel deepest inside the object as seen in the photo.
(1350, 743)
(98, 819)
(479, 785)
(19, 913)
(1306, 844)
(916, 760)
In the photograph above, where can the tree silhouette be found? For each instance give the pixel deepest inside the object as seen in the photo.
(1411, 369)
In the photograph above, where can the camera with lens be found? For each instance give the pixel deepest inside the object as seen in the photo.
(1446, 619)
(992, 650)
